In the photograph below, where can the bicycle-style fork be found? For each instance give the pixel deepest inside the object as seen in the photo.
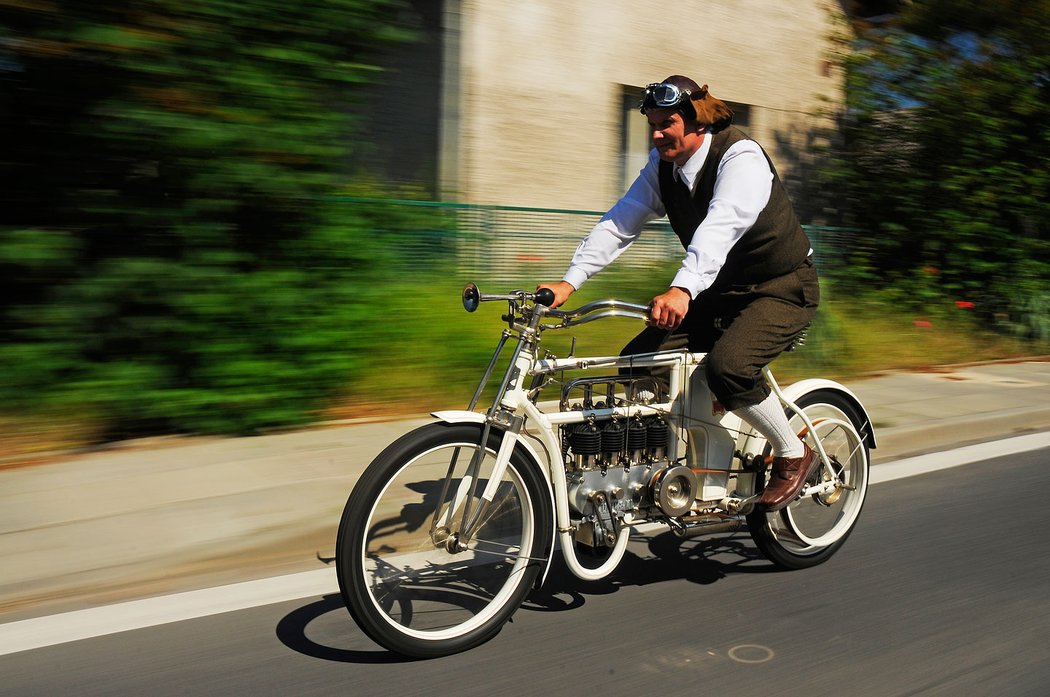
(473, 517)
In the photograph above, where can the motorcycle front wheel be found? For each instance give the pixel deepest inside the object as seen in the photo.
(811, 529)
(409, 577)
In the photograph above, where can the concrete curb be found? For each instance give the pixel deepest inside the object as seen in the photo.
(907, 441)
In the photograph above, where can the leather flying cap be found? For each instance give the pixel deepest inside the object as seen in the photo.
(709, 111)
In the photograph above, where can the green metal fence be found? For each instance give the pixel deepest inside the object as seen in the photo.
(521, 246)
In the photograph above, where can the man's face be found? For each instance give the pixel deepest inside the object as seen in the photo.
(674, 138)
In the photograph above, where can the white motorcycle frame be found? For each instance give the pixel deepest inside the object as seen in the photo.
(689, 408)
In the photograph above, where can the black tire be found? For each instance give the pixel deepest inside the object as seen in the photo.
(406, 590)
(809, 531)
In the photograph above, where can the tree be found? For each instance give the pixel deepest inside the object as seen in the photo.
(167, 255)
(946, 158)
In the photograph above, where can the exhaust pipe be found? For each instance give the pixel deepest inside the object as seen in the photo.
(707, 525)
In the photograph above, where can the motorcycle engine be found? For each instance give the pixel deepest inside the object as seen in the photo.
(616, 467)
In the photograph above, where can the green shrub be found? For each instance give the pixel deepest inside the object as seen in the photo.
(168, 257)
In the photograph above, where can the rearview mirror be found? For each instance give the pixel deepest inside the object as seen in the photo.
(471, 297)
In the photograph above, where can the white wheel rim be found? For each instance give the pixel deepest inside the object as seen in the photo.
(510, 585)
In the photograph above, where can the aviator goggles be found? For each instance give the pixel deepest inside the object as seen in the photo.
(662, 95)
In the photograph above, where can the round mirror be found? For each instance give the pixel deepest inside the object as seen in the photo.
(471, 297)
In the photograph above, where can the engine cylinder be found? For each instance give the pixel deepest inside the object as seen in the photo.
(587, 440)
(613, 439)
(656, 432)
(656, 436)
(636, 436)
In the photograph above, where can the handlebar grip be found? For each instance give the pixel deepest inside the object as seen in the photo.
(545, 296)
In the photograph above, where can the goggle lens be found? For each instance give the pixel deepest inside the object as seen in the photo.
(663, 94)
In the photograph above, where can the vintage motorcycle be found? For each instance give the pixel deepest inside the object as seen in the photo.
(453, 524)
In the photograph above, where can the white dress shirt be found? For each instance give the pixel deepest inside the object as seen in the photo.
(741, 191)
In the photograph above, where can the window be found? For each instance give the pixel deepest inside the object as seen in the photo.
(634, 141)
(741, 115)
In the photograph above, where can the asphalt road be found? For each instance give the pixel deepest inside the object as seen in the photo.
(941, 590)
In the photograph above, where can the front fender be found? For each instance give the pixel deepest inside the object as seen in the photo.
(795, 390)
(457, 416)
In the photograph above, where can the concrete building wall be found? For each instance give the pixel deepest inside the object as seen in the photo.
(540, 115)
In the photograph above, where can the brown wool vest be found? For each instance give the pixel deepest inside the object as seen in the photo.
(774, 246)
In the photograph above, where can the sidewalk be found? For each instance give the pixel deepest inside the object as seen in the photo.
(176, 515)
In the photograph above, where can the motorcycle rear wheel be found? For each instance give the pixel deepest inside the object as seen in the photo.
(404, 584)
(811, 529)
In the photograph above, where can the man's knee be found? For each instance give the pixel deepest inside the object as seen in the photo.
(734, 380)
(720, 371)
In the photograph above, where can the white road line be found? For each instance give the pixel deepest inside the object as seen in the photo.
(933, 462)
(137, 614)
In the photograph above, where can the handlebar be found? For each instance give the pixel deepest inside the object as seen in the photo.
(599, 309)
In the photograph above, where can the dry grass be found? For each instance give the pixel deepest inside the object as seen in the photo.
(852, 339)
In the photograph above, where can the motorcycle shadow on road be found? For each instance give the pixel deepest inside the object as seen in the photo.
(323, 629)
(653, 559)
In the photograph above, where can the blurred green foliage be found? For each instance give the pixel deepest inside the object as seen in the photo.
(168, 259)
(946, 158)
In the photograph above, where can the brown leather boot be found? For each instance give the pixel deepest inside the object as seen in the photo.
(787, 478)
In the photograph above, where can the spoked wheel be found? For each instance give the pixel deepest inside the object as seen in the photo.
(811, 529)
(410, 578)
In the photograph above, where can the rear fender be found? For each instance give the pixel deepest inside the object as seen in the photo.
(796, 390)
(472, 417)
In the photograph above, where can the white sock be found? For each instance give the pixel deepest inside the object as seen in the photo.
(768, 418)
